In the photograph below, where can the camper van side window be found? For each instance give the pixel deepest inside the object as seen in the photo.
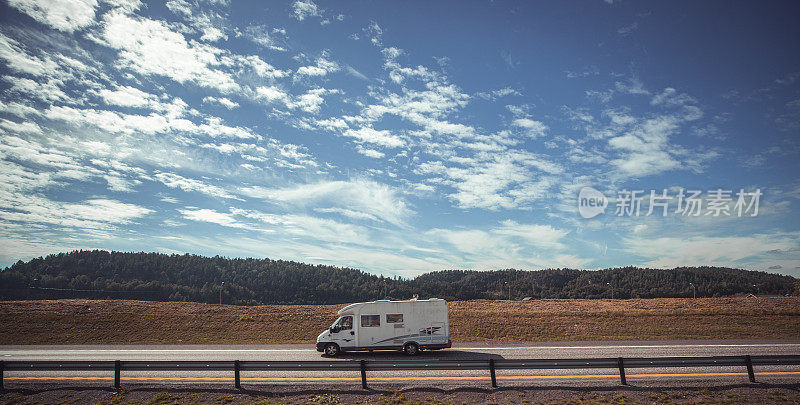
(370, 320)
(394, 318)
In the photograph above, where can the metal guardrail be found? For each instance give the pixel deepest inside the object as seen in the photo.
(620, 363)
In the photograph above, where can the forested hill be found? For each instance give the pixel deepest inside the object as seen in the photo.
(154, 276)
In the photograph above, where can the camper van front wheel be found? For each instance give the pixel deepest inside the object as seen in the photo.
(332, 349)
(411, 349)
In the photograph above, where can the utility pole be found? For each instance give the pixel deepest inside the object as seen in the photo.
(28, 292)
(694, 290)
(220, 292)
(612, 289)
(509, 289)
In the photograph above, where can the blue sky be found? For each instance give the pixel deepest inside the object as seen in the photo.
(399, 138)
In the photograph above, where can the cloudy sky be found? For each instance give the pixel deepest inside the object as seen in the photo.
(400, 138)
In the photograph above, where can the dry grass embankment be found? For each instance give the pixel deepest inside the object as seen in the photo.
(141, 322)
(43, 393)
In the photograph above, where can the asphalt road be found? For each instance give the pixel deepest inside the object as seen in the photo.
(300, 352)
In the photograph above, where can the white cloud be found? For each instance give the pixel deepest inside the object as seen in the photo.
(21, 61)
(270, 94)
(34, 152)
(542, 236)
(368, 197)
(260, 67)
(348, 213)
(225, 102)
(18, 109)
(602, 96)
(28, 127)
(116, 183)
(209, 24)
(325, 230)
(274, 39)
(509, 245)
(63, 15)
(150, 47)
(371, 153)
(587, 72)
(391, 52)
(639, 145)
(303, 226)
(127, 96)
(373, 136)
(44, 90)
(499, 181)
(305, 8)
(733, 251)
(311, 101)
(646, 148)
(132, 124)
(211, 216)
(173, 180)
(671, 97)
(322, 67)
(311, 71)
(375, 33)
(499, 93)
(632, 86)
(426, 108)
(98, 213)
(531, 127)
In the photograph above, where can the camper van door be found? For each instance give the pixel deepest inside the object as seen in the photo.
(370, 327)
(343, 332)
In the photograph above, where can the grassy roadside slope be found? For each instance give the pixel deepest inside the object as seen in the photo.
(142, 322)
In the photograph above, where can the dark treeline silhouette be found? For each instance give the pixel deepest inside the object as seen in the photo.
(100, 274)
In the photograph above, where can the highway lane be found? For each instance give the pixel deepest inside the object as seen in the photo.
(301, 352)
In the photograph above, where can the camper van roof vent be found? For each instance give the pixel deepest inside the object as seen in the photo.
(381, 300)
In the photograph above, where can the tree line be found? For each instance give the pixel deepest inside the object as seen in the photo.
(99, 274)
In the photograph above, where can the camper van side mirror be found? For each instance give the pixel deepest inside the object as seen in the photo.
(335, 329)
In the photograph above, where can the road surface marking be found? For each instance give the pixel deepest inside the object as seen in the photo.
(506, 377)
(628, 347)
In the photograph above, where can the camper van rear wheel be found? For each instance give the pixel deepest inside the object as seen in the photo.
(411, 349)
(332, 349)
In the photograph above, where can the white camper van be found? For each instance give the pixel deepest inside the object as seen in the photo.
(409, 326)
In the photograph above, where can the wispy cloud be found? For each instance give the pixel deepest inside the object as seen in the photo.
(261, 132)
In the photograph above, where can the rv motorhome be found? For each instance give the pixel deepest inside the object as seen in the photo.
(409, 326)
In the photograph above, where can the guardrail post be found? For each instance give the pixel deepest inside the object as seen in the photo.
(117, 369)
(621, 365)
(749, 363)
(363, 374)
(236, 381)
(491, 372)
